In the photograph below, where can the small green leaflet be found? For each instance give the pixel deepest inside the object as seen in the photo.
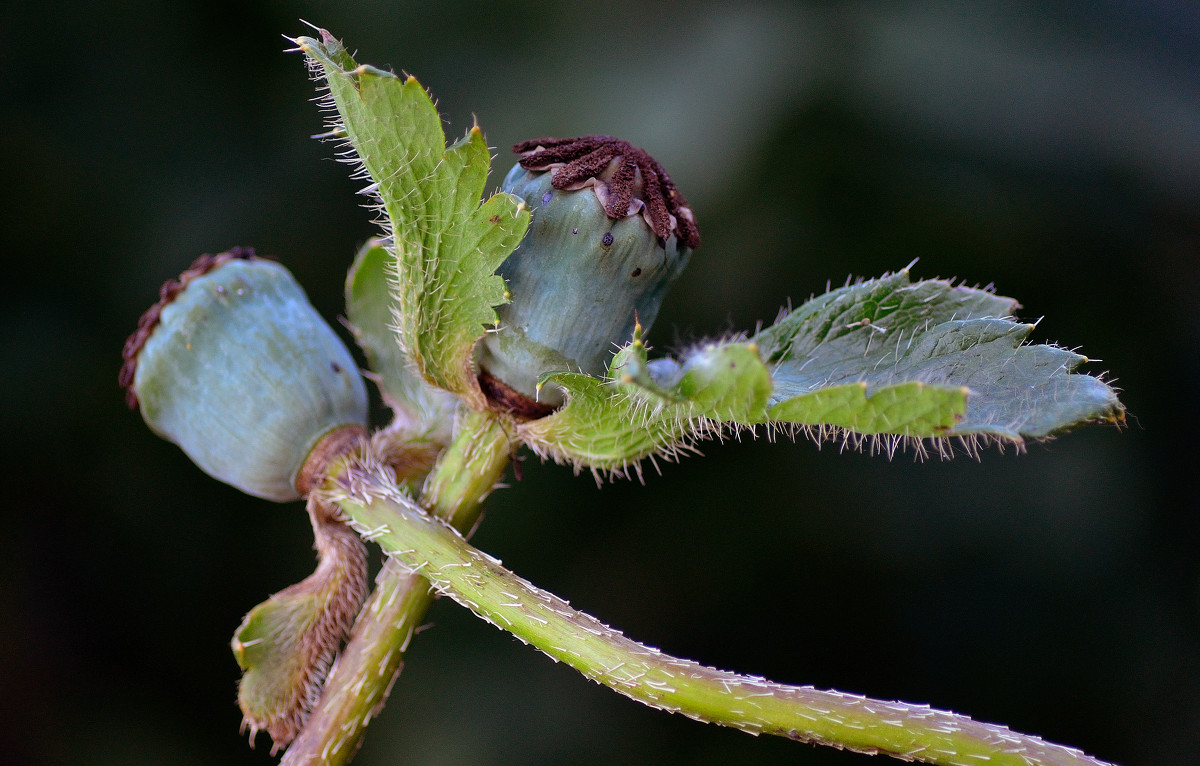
(885, 357)
(446, 244)
(650, 408)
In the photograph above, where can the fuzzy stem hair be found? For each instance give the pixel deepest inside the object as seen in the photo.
(382, 512)
(361, 679)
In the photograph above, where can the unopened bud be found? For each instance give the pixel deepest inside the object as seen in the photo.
(610, 234)
(235, 366)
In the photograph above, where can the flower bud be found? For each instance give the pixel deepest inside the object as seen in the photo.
(610, 234)
(235, 366)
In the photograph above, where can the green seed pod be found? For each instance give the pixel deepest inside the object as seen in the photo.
(610, 234)
(235, 366)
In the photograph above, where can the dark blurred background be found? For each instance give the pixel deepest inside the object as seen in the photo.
(1052, 149)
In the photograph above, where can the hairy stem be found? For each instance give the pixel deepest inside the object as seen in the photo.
(362, 677)
(382, 512)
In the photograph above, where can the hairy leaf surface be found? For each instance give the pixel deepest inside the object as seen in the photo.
(884, 357)
(953, 341)
(446, 245)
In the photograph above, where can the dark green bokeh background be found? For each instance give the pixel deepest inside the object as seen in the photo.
(1051, 149)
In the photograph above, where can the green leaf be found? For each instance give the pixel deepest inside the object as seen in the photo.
(903, 409)
(890, 300)
(445, 243)
(917, 353)
(369, 306)
(884, 357)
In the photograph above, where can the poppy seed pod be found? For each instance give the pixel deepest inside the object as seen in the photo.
(235, 366)
(609, 236)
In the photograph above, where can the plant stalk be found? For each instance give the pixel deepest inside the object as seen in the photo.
(383, 513)
(363, 675)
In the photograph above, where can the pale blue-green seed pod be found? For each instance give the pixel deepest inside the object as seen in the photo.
(236, 367)
(605, 244)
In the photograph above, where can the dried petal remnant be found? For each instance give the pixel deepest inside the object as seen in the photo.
(626, 178)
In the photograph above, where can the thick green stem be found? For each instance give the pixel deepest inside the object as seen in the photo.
(381, 512)
(372, 659)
